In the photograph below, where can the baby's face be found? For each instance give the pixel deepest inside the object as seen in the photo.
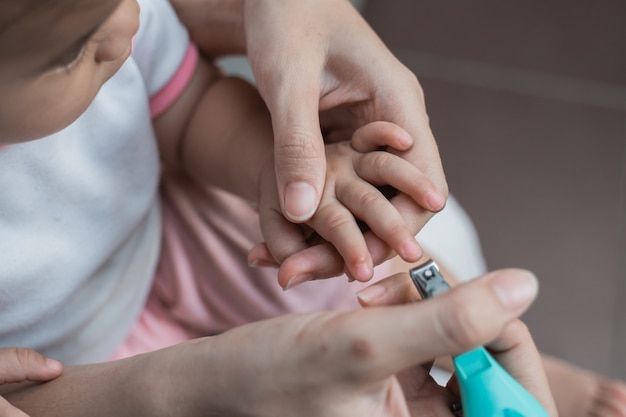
(54, 57)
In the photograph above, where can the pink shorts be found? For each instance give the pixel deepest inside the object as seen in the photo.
(203, 284)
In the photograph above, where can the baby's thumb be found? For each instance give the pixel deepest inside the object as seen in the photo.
(20, 364)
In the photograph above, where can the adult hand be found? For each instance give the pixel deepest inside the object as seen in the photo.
(332, 241)
(18, 365)
(310, 56)
(514, 348)
(372, 362)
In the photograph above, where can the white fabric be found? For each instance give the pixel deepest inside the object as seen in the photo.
(451, 239)
(79, 217)
(80, 223)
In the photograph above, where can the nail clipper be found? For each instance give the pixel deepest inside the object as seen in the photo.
(487, 389)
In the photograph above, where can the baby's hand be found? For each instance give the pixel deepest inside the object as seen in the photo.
(333, 240)
(19, 365)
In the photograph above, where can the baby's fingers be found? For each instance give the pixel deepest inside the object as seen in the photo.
(373, 208)
(20, 364)
(384, 168)
(378, 134)
(282, 239)
(337, 225)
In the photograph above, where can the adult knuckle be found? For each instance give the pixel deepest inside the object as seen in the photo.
(361, 348)
(300, 153)
(298, 144)
(360, 352)
(410, 79)
(460, 328)
(24, 357)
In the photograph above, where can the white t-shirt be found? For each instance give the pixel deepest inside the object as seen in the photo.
(79, 216)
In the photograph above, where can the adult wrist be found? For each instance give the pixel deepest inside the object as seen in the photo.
(185, 380)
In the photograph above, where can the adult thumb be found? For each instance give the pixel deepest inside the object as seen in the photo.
(298, 145)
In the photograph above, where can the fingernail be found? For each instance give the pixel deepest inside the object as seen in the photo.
(297, 280)
(515, 290)
(371, 293)
(53, 365)
(435, 200)
(410, 250)
(363, 272)
(300, 201)
(406, 140)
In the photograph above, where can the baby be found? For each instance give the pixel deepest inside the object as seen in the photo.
(114, 239)
(99, 110)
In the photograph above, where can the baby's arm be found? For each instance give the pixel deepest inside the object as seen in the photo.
(218, 131)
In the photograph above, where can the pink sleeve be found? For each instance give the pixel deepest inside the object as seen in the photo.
(167, 95)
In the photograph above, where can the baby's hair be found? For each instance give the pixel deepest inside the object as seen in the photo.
(27, 14)
(13, 11)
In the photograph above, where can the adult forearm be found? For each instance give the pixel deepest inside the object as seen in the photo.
(217, 26)
(106, 389)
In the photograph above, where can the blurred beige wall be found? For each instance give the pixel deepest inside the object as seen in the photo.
(527, 101)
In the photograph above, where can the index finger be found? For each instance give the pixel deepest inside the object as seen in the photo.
(382, 341)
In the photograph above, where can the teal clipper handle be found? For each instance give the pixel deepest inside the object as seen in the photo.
(487, 389)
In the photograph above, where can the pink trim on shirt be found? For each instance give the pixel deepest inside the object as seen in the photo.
(165, 97)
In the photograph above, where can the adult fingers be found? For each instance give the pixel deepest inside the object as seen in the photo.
(287, 50)
(298, 143)
(396, 289)
(474, 313)
(20, 364)
(516, 352)
(514, 348)
(260, 256)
